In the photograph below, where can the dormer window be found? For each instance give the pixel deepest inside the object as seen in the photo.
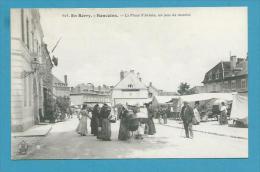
(130, 85)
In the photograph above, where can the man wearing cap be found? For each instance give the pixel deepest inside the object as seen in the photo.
(186, 115)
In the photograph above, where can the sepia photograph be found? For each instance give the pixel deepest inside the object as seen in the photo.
(127, 83)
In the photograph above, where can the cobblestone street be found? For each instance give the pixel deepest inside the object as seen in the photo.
(64, 143)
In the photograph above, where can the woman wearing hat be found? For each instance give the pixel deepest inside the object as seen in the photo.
(82, 128)
(105, 133)
(124, 133)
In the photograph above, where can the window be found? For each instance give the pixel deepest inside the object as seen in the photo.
(233, 84)
(30, 90)
(243, 83)
(22, 23)
(39, 50)
(130, 85)
(37, 45)
(40, 88)
(25, 91)
(33, 42)
(27, 34)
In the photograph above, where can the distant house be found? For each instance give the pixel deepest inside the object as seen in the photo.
(227, 76)
(153, 91)
(88, 93)
(60, 89)
(130, 89)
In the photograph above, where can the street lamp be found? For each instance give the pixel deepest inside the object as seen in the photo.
(35, 64)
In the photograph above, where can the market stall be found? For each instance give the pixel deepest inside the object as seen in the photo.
(239, 112)
(206, 103)
(164, 102)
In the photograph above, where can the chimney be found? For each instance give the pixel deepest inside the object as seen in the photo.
(138, 76)
(150, 84)
(66, 80)
(122, 75)
(233, 62)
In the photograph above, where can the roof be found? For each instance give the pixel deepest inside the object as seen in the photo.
(153, 87)
(242, 65)
(130, 78)
(55, 80)
(224, 65)
(240, 69)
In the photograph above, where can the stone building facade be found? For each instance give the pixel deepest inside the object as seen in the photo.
(26, 93)
(47, 80)
(60, 88)
(90, 94)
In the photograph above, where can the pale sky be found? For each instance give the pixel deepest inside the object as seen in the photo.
(164, 50)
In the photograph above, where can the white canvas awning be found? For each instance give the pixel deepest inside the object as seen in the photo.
(163, 99)
(203, 98)
(239, 108)
(207, 96)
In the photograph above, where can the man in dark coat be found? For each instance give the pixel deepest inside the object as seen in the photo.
(150, 127)
(187, 115)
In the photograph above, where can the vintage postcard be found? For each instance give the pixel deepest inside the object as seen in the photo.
(116, 83)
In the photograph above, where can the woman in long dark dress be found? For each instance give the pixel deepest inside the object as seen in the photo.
(124, 133)
(150, 127)
(95, 120)
(105, 133)
(99, 121)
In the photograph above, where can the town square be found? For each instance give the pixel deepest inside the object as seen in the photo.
(135, 83)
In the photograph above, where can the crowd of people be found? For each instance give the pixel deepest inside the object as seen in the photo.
(100, 124)
(101, 118)
(129, 123)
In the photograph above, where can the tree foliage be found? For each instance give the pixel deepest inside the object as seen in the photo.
(53, 107)
(63, 104)
(184, 89)
(49, 105)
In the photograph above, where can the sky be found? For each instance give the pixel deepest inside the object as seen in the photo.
(165, 50)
